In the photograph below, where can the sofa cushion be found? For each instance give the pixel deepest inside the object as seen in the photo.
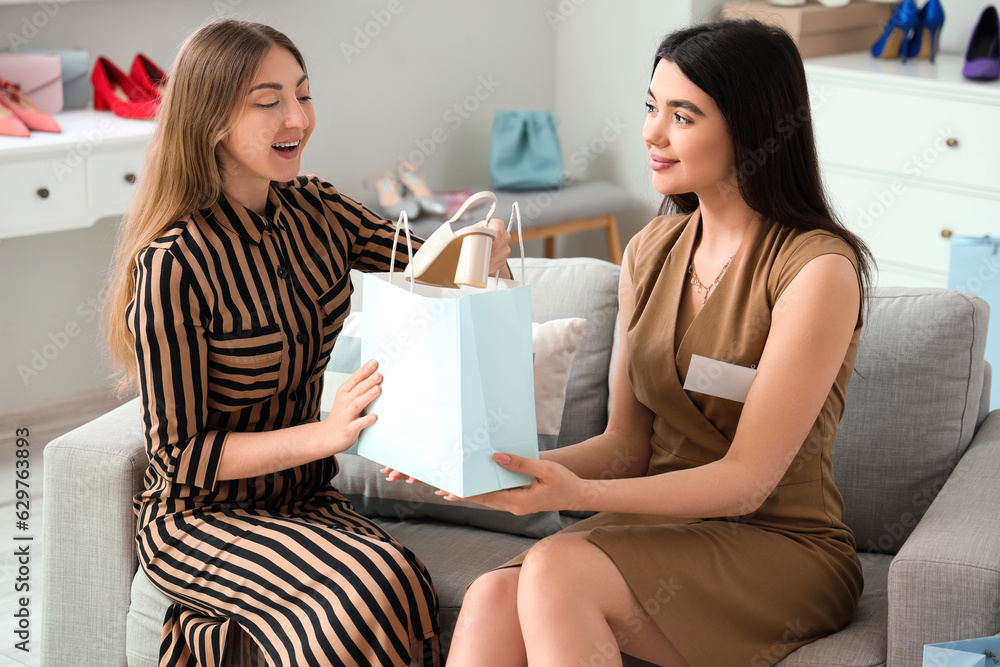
(912, 406)
(588, 288)
(455, 556)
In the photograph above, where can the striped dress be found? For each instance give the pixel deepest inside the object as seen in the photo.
(234, 317)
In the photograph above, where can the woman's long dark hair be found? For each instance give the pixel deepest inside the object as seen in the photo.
(754, 74)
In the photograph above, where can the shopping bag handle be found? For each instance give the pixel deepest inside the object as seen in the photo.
(515, 211)
(483, 194)
(404, 222)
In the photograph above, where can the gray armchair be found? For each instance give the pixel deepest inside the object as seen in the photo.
(917, 458)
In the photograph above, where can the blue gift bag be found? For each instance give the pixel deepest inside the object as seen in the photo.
(980, 652)
(458, 379)
(524, 151)
(974, 266)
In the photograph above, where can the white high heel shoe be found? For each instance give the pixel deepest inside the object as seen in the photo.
(449, 258)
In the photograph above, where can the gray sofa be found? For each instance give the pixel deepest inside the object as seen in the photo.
(917, 458)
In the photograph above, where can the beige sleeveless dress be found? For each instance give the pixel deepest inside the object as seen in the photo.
(744, 590)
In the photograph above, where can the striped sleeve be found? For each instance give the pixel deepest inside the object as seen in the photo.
(171, 351)
(370, 236)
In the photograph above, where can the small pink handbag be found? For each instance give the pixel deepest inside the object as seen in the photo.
(39, 76)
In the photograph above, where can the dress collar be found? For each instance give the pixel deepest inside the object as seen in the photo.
(246, 223)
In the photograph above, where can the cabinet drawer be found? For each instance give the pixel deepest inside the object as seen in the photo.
(111, 178)
(907, 134)
(40, 196)
(902, 222)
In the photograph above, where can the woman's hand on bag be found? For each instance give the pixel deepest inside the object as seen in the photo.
(554, 488)
(395, 476)
(501, 246)
(345, 420)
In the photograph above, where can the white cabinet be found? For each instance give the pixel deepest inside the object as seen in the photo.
(910, 155)
(57, 181)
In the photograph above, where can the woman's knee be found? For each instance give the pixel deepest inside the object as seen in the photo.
(494, 589)
(567, 558)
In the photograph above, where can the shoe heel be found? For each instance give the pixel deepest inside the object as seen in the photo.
(474, 261)
(934, 35)
(101, 104)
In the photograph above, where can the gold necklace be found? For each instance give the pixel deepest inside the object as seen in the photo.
(698, 284)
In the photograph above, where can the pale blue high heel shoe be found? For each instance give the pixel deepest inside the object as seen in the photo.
(391, 201)
(414, 182)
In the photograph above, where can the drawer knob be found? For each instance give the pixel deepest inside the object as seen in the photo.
(43, 193)
(946, 233)
(952, 142)
(130, 178)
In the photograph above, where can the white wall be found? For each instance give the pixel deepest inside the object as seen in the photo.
(384, 98)
(603, 61)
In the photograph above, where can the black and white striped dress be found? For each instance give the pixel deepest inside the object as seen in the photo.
(234, 317)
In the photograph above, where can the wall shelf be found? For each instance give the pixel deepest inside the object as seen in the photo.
(69, 180)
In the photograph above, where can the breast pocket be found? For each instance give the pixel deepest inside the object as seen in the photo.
(244, 367)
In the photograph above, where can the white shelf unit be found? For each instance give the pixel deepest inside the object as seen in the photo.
(910, 155)
(58, 181)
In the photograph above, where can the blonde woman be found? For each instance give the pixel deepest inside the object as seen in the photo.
(230, 285)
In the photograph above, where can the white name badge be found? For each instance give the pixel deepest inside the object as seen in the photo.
(719, 378)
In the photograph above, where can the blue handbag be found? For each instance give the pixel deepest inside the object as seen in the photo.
(524, 151)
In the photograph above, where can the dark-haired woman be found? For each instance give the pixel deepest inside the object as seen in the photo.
(724, 543)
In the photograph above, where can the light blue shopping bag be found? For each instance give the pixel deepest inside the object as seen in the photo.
(980, 652)
(974, 266)
(458, 381)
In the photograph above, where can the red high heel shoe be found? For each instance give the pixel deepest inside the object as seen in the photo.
(25, 110)
(116, 91)
(11, 125)
(148, 75)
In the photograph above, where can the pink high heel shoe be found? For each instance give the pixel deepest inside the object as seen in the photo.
(11, 125)
(25, 110)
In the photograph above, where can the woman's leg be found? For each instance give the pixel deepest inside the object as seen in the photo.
(575, 608)
(488, 633)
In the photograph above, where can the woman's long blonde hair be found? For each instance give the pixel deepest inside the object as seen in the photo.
(212, 74)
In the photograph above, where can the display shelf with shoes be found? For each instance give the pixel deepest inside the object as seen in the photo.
(982, 57)
(55, 182)
(116, 91)
(920, 168)
(820, 30)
